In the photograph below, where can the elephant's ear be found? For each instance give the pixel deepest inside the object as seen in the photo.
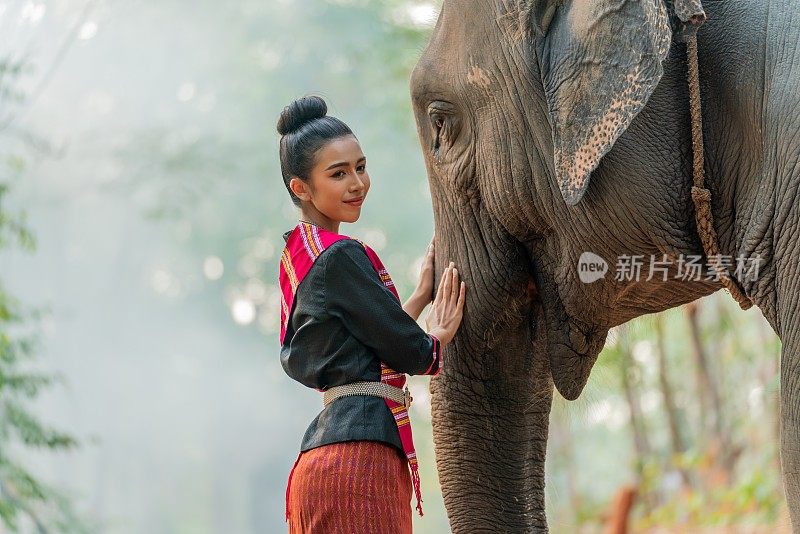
(600, 61)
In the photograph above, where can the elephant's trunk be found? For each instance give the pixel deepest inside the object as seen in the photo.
(490, 422)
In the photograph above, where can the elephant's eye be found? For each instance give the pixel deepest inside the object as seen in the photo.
(438, 124)
(442, 116)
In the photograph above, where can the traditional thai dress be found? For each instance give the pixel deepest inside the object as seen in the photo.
(342, 321)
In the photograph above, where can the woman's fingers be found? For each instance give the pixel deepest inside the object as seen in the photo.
(448, 290)
(448, 280)
(451, 291)
(440, 289)
(454, 288)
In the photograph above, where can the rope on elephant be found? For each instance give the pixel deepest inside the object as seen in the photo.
(700, 195)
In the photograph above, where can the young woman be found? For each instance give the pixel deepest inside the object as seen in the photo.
(345, 333)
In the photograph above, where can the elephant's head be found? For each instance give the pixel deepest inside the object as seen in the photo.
(518, 105)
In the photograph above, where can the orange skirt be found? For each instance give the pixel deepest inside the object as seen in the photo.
(352, 486)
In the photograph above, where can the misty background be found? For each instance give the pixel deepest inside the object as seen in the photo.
(139, 147)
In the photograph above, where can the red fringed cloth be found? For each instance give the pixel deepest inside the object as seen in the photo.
(304, 245)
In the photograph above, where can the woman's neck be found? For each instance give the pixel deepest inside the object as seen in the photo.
(320, 220)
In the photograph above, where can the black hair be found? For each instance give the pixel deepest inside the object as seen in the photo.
(305, 127)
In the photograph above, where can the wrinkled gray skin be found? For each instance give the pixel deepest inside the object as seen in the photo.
(553, 128)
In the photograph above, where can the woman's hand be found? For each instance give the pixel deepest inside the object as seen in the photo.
(446, 313)
(424, 290)
(423, 294)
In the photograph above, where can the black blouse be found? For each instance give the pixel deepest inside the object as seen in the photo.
(343, 319)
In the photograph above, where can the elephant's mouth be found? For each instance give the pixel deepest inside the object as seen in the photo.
(572, 346)
(570, 368)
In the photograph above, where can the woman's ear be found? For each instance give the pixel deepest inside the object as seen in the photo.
(600, 61)
(300, 188)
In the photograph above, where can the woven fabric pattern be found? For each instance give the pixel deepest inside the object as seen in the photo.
(350, 487)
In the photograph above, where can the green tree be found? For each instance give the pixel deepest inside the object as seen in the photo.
(24, 499)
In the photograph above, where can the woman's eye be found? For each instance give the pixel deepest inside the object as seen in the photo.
(361, 168)
(340, 173)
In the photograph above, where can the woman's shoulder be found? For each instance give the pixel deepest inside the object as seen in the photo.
(345, 251)
(349, 274)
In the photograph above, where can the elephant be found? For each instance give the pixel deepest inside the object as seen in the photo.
(554, 128)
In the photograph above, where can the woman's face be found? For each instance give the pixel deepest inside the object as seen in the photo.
(339, 175)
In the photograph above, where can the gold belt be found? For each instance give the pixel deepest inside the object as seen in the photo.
(375, 389)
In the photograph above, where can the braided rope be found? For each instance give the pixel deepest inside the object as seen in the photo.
(700, 195)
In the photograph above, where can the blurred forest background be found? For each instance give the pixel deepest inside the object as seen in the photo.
(141, 213)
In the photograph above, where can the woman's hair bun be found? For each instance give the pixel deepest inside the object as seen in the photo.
(301, 111)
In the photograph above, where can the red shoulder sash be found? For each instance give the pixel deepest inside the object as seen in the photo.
(305, 244)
